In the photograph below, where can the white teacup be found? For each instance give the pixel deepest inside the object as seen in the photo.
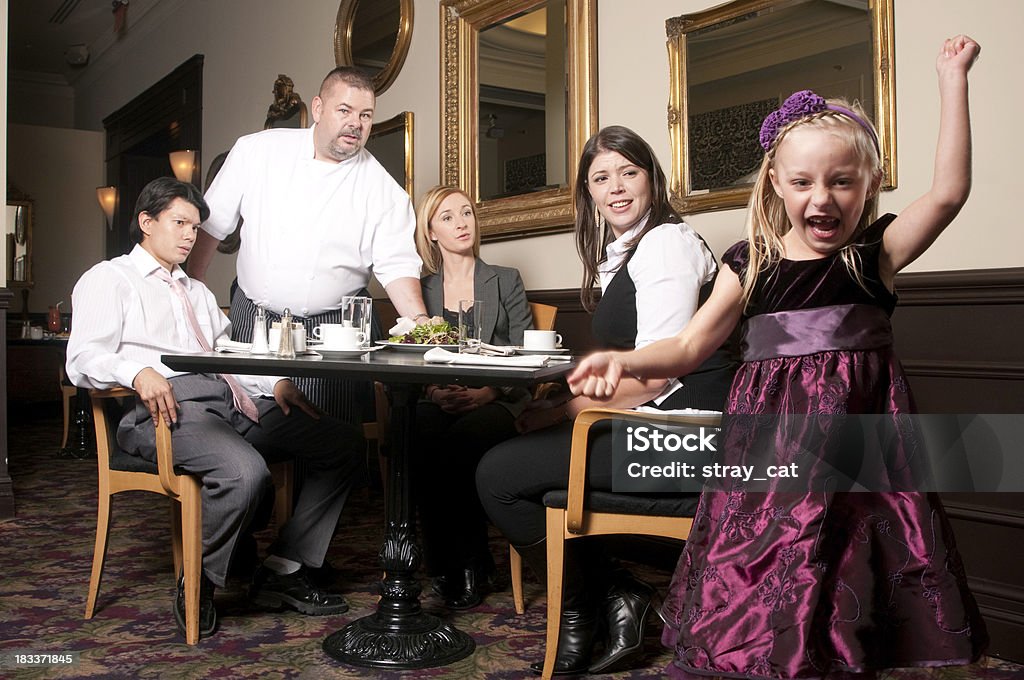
(298, 337)
(541, 340)
(336, 336)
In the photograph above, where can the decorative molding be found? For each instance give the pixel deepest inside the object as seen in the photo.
(977, 370)
(972, 512)
(963, 287)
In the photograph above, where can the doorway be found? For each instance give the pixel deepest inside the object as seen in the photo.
(167, 117)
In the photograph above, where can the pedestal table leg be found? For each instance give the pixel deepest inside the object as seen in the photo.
(399, 635)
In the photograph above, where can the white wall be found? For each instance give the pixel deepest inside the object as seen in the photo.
(60, 169)
(246, 43)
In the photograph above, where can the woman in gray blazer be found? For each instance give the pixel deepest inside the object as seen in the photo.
(456, 425)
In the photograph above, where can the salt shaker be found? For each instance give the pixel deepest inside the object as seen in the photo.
(286, 350)
(259, 332)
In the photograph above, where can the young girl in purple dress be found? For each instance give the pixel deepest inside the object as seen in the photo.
(786, 585)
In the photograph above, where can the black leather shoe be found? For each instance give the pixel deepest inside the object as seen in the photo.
(576, 638)
(625, 609)
(463, 591)
(275, 591)
(207, 611)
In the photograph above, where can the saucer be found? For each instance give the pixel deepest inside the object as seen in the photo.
(556, 350)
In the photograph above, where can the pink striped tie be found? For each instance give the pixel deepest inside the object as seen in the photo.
(243, 402)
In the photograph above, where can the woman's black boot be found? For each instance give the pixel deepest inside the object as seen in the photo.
(625, 608)
(579, 625)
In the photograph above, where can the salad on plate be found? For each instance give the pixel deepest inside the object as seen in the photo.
(436, 331)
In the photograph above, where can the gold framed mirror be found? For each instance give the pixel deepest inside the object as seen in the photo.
(287, 110)
(390, 142)
(18, 228)
(518, 102)
(731, 65)
(374, 35)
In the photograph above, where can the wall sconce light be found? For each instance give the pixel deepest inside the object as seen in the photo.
(107, 197)
(183, 162)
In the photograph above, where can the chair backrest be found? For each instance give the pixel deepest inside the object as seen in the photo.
(543, 316)
(574, 500)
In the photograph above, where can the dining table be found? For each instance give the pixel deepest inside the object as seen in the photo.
(398, 635)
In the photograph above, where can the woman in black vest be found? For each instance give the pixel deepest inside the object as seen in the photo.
(654, 272)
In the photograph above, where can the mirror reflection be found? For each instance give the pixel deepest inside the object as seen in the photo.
(734, 64)
(18, 253)
(522, 76)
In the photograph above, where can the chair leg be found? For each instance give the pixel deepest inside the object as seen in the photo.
(515, 564)
(99, 552)
(176, 536)
(556, 558)
(192, 554)
(67, 419)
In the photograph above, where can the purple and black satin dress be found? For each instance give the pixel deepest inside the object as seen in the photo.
(823, 584)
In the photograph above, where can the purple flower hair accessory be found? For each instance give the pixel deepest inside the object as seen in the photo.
(805, 103)
(796, 106)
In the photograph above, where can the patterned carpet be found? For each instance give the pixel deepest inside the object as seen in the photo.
(46, 557)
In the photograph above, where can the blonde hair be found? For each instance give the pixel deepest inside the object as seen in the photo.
(427, 207)
(767, 221)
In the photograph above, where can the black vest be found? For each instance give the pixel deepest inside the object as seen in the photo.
(614, 327)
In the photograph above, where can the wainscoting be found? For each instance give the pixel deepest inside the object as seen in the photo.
(959, 337)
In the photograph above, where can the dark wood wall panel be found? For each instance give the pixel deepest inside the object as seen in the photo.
(959, 336)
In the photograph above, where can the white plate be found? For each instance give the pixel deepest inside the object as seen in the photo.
(557, 350)
(412, 347)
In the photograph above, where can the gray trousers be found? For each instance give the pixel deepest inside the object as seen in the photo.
(225, 450)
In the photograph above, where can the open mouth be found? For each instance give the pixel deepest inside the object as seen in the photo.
(620, 204)
(823, 227)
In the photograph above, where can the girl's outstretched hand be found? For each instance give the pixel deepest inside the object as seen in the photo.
(957, 55)
(597, 376)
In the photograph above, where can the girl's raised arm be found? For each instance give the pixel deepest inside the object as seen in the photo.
(598, 375)
(922, 221)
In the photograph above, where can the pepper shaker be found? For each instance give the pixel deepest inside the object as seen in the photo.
(286, 350)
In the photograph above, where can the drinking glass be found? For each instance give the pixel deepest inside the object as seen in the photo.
(470, 315)
(357, 311)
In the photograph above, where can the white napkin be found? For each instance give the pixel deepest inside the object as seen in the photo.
(225, 345)
(443, 356)
(402, 327)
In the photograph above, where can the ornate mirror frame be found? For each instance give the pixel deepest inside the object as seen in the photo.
(383, 79)
(536, 212)
(18, 244)
(882, 47)
(403, 123)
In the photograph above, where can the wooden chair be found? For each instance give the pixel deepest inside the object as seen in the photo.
(574, 513)
(378, 433)
(67, 393)
(120, 471)
(543, 316)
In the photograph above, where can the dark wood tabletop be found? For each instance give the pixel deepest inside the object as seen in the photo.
(386, 365)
